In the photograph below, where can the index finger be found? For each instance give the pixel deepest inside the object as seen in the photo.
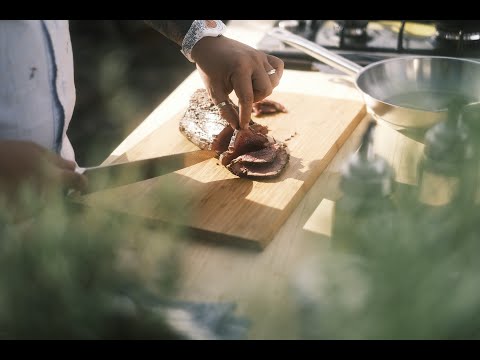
(244, 89)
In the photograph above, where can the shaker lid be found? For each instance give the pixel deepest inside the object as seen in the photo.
(447, 140)
(366, 173)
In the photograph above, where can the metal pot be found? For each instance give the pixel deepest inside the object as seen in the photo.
(408, 92)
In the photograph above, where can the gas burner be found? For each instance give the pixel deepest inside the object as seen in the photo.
(457, 36)
(306, 28)
(457, 30)
(352, 29)
(367, 41)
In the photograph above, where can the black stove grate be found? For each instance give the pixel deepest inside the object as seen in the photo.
(365, 42)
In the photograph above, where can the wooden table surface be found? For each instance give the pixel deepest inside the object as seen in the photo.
(260, 282)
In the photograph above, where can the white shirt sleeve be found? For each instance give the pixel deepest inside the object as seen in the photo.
(37, 91)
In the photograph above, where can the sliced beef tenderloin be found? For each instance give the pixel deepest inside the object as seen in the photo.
(242, 142)
(266, 163)
(267, 106)
(266, 155)
(259, 128)
(222, 140)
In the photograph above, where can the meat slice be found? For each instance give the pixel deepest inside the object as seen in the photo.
(266, 155)
(242, 142)
(267, 106)
(251, 165)
(222, 140)
(259, 128)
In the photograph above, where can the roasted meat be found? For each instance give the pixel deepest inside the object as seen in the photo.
(266, 163)
(202, 123)
(267, 106)
(246, 153)
(243, 142)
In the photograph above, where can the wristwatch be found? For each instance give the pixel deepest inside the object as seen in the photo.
(198, 30)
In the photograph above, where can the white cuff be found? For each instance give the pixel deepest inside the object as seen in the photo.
(198, 30)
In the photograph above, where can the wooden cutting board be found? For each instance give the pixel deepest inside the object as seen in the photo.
(223, 206)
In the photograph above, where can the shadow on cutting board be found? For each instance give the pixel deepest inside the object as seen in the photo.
(231, 210)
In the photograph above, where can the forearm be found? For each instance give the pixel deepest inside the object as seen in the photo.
(174, 30)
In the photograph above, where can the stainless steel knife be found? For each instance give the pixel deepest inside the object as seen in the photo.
(109, 176)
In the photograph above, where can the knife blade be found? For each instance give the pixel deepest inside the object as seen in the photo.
(109, 176)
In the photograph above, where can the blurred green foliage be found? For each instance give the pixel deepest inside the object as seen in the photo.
(418, 280)
(73, 272)
(69, 271)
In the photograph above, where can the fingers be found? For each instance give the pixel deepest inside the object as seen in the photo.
(262, 86)
(72, 180)
(64, 163)
(62, 172)
(278, 65)
(58, 160)
(228, 112)
(267, 78)
(250, 81)
(243, 86)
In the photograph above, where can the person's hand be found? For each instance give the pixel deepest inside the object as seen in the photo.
(24, 162)
(225, 65)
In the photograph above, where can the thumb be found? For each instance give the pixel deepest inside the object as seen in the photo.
(225, 107)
